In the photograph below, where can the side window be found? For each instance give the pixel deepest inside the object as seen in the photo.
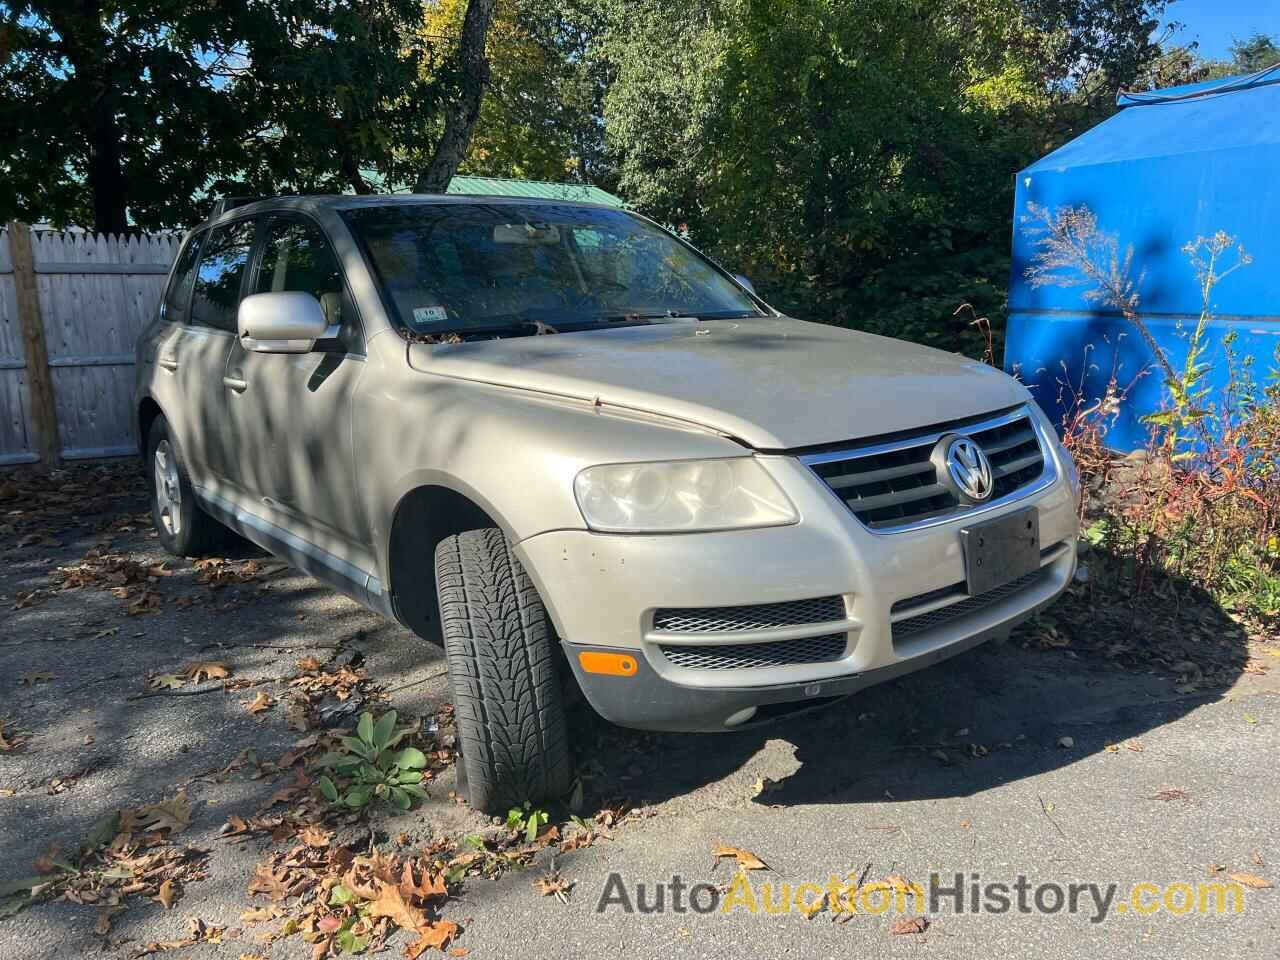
(177, 298)
(296, 256)
(223, 259)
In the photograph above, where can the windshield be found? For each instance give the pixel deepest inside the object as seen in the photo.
(459, 267)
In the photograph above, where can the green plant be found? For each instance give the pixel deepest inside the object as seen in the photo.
(530, 821)
(1201, 504)
(367, 768)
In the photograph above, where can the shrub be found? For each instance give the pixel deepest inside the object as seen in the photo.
(1202, 502)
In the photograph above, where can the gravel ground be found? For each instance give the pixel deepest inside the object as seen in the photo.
(962, 768)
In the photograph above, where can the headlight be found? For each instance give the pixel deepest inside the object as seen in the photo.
(681, 496)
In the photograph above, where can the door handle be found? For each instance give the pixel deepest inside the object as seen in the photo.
(168, 361)
(235, 384)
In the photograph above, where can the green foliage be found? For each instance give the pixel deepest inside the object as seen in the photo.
(367, 769)
(856, 158)
(108, 107)
(334, 94)
(540, 119)
(130, 114)
(529, 821)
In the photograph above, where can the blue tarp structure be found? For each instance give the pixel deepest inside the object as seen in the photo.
(1170, 166)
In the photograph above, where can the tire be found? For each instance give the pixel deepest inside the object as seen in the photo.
(184, 529)
(503, 671)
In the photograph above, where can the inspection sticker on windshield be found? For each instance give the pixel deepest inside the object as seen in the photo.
(429, 314)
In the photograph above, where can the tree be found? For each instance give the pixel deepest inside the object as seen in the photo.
(1257, 53)
(470, 77)
(541, 116)
(856, 155)
(128, 114)
(336, 94)
(107, 112)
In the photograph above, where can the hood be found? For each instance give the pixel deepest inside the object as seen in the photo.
(771, 383)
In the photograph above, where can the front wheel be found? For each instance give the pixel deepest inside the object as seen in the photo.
(503, 673)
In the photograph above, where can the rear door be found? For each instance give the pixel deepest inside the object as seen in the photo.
(162, 346)
(290, 414)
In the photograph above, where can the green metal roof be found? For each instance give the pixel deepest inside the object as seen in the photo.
(540, 189)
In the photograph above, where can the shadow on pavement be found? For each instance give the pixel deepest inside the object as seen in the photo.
(985, 718)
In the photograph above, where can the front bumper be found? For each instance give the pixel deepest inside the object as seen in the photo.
(602, 591)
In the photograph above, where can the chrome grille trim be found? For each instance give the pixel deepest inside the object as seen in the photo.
(757, 616)
(753, 656)
(892, 487)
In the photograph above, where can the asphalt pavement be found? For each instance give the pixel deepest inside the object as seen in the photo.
(1063, 769)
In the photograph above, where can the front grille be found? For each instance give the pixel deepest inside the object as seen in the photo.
(911, 626)
(751, 656)
(757, 616)
(894, 484)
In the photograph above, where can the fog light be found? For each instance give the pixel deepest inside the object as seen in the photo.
(741, 717)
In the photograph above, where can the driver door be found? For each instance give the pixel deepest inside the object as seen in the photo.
(291, 413)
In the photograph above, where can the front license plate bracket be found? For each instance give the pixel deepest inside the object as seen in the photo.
(1001, 550)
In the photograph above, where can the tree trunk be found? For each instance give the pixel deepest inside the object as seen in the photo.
(105, 174)
(460, 119)
(83, 40)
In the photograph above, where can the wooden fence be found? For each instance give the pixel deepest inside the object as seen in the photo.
(71, 308)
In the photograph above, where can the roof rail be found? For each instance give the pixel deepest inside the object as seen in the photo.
(224, 204)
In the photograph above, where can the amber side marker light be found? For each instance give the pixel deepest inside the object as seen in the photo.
(614, 664)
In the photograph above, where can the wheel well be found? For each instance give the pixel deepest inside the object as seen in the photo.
(148, 410)
(423, 518)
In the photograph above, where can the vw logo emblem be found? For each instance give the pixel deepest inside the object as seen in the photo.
(969, 468)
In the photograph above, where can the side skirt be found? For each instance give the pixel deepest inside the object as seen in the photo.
(360, 585)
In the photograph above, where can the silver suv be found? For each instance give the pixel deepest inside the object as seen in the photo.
(563, 441)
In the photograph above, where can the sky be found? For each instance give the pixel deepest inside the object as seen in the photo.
(1216, 23)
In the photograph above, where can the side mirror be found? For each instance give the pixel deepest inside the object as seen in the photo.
(284, 322)
(743, 281)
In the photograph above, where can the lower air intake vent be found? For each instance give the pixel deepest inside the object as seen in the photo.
(759, 616)
(750, 656)
(911, 626)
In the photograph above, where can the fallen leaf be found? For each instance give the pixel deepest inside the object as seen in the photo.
(297, 716)
(553, 885)
(206, 669)
(260, 703)
(430, 887)
(314, 836)
(906, 925)
(308, 664)
(234, 827)
(390, 903)
(103, 926)
(47, 861)
(1250, 880)
(167, 894)
(274, 882)
(10, 743)
(746, 859)
(1066, 742)
(173, 814)
(437, 934)
(261, 914)
(1168, 796)
(165, 681)
(458, 951)
(31, 679)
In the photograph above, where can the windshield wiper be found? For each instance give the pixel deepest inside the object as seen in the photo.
(668, 315)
